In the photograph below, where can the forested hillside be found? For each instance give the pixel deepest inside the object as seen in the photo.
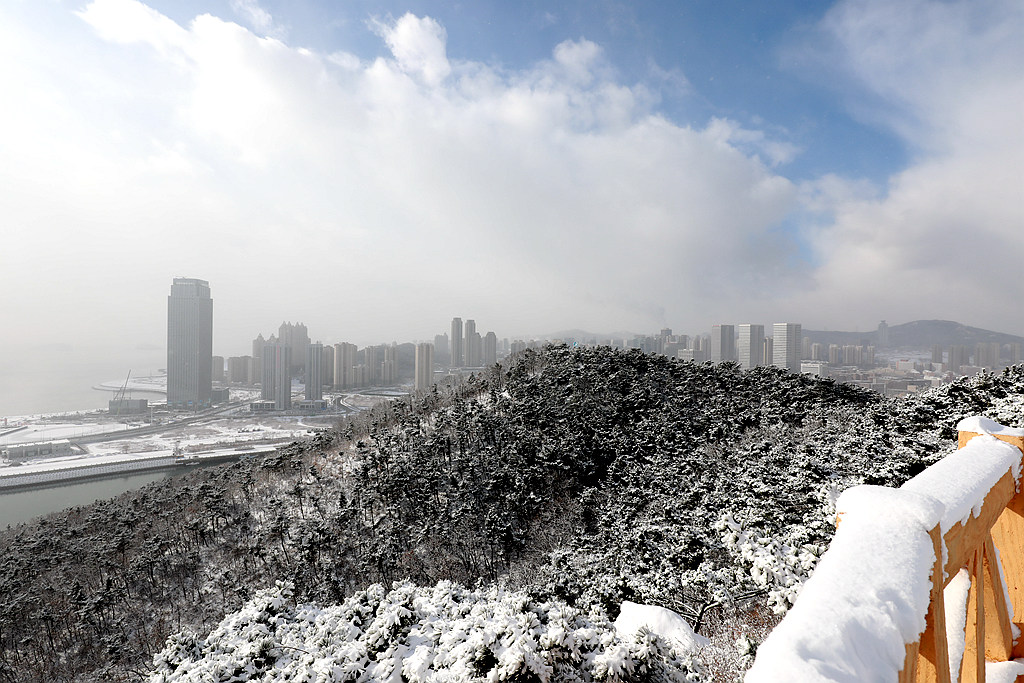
(575, 478)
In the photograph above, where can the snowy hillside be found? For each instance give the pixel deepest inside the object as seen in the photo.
(582, 478)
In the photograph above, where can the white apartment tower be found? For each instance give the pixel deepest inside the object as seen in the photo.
(277, 376)
(751, 346)
(344, 362)
(314, 372)
(787, 345)
(189, 343)
(425, 365)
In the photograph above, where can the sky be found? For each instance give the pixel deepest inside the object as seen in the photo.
(373, 168)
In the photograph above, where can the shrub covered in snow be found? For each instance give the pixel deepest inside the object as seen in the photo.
(443, 633)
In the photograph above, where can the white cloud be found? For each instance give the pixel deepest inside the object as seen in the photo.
(941, 240)
(257, 17)
(376, 199)
(397, 192)
(419, 46)
(128, 21)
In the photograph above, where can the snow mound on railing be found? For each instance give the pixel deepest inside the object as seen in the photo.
(983, 425)
(870, 592)
(962, 479)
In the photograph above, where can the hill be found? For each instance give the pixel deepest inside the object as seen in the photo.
(578, 478)
(917, 334)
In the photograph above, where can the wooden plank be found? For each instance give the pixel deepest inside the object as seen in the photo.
(933, 653)
(964, 539)
(1008, 537)
(972, 667)
(963, 437)
(908, 674)
(998, 635)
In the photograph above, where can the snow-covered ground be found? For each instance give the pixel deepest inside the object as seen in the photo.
(52, 431)
(232, 429)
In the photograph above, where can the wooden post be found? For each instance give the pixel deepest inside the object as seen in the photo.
(973, 666)
(1008, 537)
(933, 651)
(998, 634)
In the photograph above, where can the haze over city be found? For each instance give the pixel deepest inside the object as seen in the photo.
(373, 169)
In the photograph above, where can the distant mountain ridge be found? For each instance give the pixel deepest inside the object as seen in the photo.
(917, 333)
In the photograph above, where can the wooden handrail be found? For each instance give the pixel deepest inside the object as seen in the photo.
(990, 546)
(964, 512)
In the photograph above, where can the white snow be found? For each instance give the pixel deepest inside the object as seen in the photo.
(870, 592)
(983, 425)
(962, 479)
(954, 597)
(658, 620)
(867, 597)
(1004, 672)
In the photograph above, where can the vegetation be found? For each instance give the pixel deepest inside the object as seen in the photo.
(580, 477)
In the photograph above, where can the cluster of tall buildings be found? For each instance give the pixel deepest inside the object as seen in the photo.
(275, 361)
(983, 355)
(747, 345)
(464, 348)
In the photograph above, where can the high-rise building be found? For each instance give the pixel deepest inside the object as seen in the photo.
(327, 365)
(723, 343)
(189, 343)
(240, 369)
(344, 363)
(883, 335)
(372, 360)
(257, 357)
(389, 366)
(217, 368)
(835, 354)
(1015, 352)
(751, 346)
(442, 356)
(425, 365)
(986, 354)
(471, 349)
(769, 349)
(295, 337)
(490, 349)
(457, 342)
(787, 342)
(314, 372)
(957, 357)
(277, 376)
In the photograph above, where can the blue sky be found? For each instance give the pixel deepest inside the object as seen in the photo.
(376, 168)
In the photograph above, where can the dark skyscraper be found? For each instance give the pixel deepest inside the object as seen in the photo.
(189, 343)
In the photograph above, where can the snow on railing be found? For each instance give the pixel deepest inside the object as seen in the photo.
(920, 583)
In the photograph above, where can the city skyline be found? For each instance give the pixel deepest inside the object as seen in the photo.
(625, 166)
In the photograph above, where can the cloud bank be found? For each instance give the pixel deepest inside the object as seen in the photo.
(376, 198)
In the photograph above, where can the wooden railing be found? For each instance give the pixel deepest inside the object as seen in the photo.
(971, 507)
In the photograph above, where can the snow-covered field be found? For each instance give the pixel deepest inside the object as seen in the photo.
(233, 429)
(42, 429)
